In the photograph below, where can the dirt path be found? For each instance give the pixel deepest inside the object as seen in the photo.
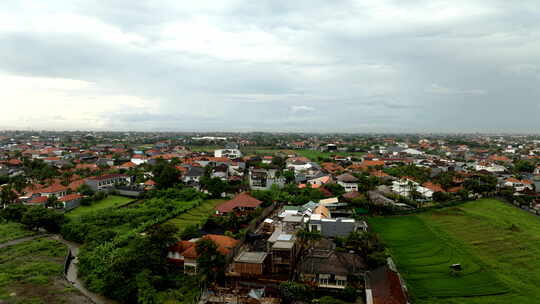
(22, 240)
(72, 277)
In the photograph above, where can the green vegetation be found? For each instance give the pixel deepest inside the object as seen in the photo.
(11, 231)
(31, 272)
(316, 155)
(496, 244)
(134, 236)
(111, 201)
(197, 215)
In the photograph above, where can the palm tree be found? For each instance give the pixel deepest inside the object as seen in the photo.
(7, 195)
(307, 239)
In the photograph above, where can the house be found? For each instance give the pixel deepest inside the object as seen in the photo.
(384, 286)
(37, 201)
(70, 201)
(283, 251)
(348, 182)
(193, 175)
(299, 165)
(106, 182)
(139, 159)
(329, 227)
(366, 165)
(221, 172)
(184, 253)
(319, 179)
(56, 190)
(263, 179)
(251, 263)
(332, 168)
(518, 185)
(228, 153)
(242, 202)
(267, 159)
(323, 267)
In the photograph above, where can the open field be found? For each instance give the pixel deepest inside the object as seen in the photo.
(11, 231)
(111, 201)
(197, 215)
(498, 246)
(311, 154)
(31, 272)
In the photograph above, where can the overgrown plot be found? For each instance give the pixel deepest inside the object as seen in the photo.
(197, 215)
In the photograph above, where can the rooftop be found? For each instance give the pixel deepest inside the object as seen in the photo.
(251, 257)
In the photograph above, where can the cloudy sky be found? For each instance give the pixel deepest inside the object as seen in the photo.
(302, 65)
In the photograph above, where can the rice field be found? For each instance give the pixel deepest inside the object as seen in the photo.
(497, 245)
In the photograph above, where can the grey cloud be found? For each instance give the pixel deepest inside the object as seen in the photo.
(477, 72)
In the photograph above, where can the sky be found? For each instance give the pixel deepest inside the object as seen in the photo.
(276, 65)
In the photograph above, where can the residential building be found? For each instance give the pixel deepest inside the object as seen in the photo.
(251, 263)
(229, 153)
(323, 267)
(108, 181)
(348, 182)
(263, 179)
(329, 227)
(241, 203)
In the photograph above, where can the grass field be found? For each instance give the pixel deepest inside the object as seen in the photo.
(111, 201)
(11, 231)
(31, 272)
(497, 244)
(311, 154)
(195, 216)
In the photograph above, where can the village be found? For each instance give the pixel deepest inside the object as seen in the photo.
(290, 219)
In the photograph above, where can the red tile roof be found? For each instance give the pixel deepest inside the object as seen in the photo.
(107, 176)
(70, 197)
(433, 187)
(53, 189)
(38, 200)
(224, 245)
(242, 200)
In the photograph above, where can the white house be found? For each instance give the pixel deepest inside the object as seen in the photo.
(139, 159)
(229, 153)
(348, 182)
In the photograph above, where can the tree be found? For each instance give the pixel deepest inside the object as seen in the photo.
(84, 189)
(336, 189)
(13, 212)
(7, 195)
(289, 176)
(48, 219)
(214, 185)
(306, 239)
(210, 263)
(165, 175)
(292, 291)
(441, 196)
(524, 166)
(52, 201)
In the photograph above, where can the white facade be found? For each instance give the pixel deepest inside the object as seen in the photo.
(229, 153)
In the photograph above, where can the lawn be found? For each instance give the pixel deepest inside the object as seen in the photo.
(197, 215)
(10, 231)
(31, 272)
(497, 244)
(111, 201)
